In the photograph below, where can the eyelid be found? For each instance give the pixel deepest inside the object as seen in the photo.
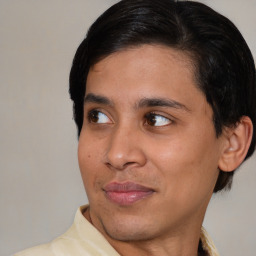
(99, 110)
(159, 113)
(165, 116)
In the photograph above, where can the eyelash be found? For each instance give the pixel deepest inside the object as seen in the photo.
(92, 115)
(150, 118)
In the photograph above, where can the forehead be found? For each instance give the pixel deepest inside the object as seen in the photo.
(148, 71)
(150, 67)
(147, 55)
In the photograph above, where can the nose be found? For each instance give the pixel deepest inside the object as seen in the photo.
(125, 149)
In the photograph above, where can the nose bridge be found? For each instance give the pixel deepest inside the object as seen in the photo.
(124, 149)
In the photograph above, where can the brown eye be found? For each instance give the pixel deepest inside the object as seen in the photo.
(153, 119)
(93, 116)
(150, 119)
(96, 116)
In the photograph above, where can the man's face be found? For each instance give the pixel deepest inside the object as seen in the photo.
(148, 152)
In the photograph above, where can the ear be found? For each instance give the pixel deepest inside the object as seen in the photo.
(237, 142)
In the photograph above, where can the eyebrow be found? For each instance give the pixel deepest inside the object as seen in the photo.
(144, 102)
(92, 98)
(161, 102)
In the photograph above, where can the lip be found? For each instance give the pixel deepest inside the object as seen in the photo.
(126, 193)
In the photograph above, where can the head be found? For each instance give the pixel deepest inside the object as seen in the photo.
(222, 63)
(163, 97)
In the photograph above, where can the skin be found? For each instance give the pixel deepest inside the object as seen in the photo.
(176, 155)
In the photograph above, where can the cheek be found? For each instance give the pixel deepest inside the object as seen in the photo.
(91, 163)
(187, 163)
(87, 158)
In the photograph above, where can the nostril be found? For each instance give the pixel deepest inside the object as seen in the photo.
(116, 166)
(124, 150)
(129, 164)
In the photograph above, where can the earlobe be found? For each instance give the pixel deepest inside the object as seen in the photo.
(238, 140)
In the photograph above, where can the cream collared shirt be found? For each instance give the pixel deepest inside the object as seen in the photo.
(83, 239)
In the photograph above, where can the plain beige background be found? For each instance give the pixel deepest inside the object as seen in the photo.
(40, 185)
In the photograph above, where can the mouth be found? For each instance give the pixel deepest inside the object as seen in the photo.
(126, 193)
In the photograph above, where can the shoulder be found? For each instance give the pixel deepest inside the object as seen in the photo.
(40, 250)
(82, 238)
(65, 244)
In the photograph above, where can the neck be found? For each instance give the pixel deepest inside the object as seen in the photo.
(183, 242)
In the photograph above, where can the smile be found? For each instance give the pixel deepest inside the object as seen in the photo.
(126, 193)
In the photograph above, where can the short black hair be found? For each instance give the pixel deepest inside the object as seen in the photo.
(224, 66)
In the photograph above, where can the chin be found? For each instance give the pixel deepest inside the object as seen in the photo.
(129, 234)
(128, 230)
